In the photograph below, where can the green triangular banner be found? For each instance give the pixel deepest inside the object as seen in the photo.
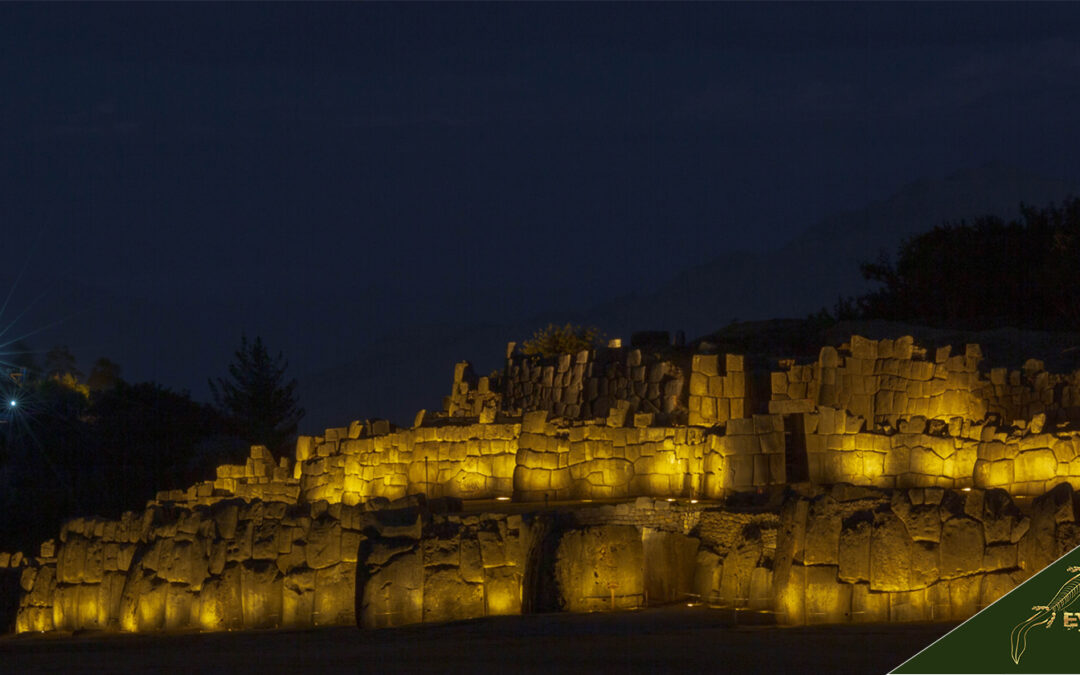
(1014, 635)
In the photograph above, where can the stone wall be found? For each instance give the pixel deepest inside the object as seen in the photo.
(233, 564)
(582, 386)
(461, 566)
(719, 389)
(535, 458)
(237, 564)
(924, 554)
(884, 413)
(922, 454)
(260, 477)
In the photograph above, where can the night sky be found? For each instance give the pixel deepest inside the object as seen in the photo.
(336, 177)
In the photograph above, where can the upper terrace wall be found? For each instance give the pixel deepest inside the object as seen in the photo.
(537, 458)
(883, 413)
(671, 384)
(884, 381)
(878, 413)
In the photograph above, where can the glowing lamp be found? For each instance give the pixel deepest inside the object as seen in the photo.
(12, 403)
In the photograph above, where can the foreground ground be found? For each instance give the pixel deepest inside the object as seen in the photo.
(670, 639)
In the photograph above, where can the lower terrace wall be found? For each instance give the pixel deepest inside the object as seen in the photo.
(822, 556)
(912, 555)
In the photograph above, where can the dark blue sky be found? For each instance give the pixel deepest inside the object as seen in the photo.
(329, 174)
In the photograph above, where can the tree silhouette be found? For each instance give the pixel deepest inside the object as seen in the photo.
(104, 375)
(256, 397)
(985, 274)
(59, 360)
(554, 340)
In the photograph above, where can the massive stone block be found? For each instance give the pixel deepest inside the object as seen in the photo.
(961, 547)
(593, 562)
(393, 588)
(449, 597)
(890, 554)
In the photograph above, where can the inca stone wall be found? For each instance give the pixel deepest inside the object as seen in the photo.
(590, 385)
(912, 555)
(234, 564)
(536, 458)
(882, 413)
(237, 564)
(923, 455)
(718, 389)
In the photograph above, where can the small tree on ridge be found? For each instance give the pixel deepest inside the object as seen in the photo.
(256, 397)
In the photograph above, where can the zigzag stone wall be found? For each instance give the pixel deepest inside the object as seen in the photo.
(924, 455)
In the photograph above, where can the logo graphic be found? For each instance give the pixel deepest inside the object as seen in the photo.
(1045, 614)
(1047, 606)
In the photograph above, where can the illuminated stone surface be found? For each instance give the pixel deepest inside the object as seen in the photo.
(595, 564)
(907, 515)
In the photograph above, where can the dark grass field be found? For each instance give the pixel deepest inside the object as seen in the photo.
(663, 640)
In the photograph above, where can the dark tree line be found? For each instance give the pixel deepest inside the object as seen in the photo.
(986, 274)
(70, 446)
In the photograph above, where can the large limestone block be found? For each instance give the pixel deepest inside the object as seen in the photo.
(449, 597)
(71, 560)
(964, 596)
(669, 563)
(180, 605)
(260, 593)
(761, 589)
(324, 543)
(890, 554)
(182, 561)
(789, 593)
(923, 522)
(995, 585)
(335, 595)
(65, 607)
(592, 562)
(924, 564)
(44, 585)
(239, 547)
(443, 550)
(823, 526)
(1035, 465)
(908, 606)
(471, 565)
(93, 566)
(298, 598)
(737, 574)
(827, 599)
(392, 592)
(961, 547)
(854, 548)
(999, 557)
(468, 485)
(926, 462)
(149, 604)
(707, 571)
(220, 602)
(492, 549)
(869, 606)
(1039, 544)
(502, 591)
